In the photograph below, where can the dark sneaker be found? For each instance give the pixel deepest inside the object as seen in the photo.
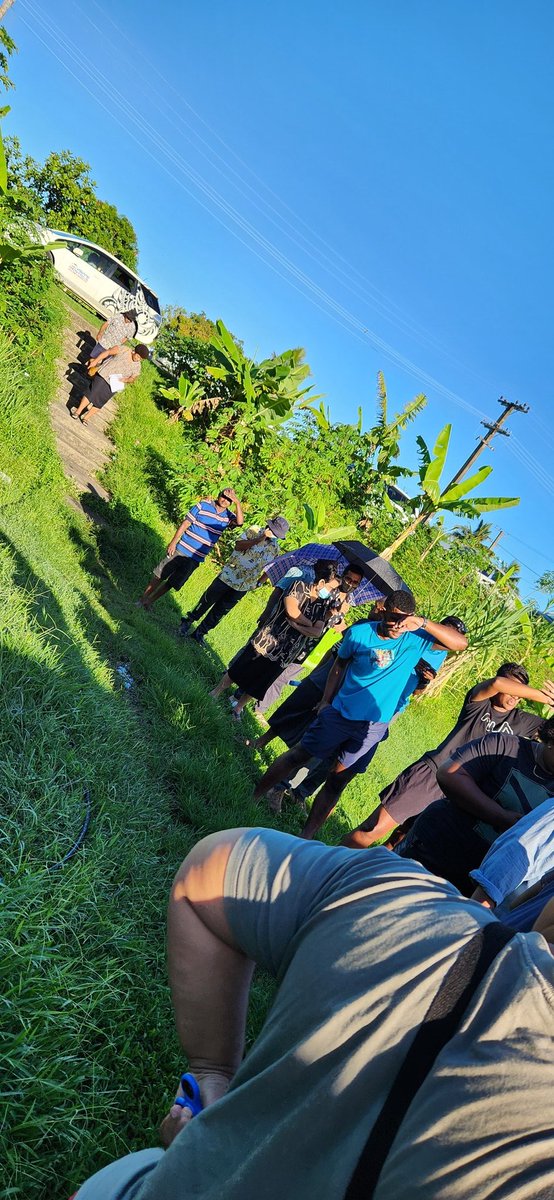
(184, 627)
(197, 637)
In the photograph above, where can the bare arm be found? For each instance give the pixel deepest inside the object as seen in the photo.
(247, 543)
(239, 515)
(209, 974)
(503, 683)
(100, 358)
(101, 331)
(178, 534)
(299, 621)
(460, 787)
(445, 635)
(334, 680)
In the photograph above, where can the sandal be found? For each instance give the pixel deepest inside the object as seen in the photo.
(73, 414)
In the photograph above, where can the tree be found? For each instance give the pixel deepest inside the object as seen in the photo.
(7, 47)
(385, 439)
(546, 584)
(188, 325)
(62, 193)
(476, 538)
(432, 500)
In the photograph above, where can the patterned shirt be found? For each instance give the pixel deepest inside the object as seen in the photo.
(278, 640)
(117, 331)
(205, 529)
(121, 364)
(242, 570)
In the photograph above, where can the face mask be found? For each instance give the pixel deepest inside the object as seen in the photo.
(324, 593)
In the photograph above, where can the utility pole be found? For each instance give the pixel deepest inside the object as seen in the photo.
(4, 8)
(496, 540)
(509, 407)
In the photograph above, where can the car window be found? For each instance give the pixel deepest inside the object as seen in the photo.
(151, 300)
(124, 279)
(93, 257)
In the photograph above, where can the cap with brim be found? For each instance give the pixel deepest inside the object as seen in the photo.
(279, 526)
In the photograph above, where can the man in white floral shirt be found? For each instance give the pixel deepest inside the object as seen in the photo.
(240, 574)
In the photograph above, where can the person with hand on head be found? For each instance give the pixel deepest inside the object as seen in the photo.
(489, 707)
(297, 622)
(192, 541)
(115, 368)
(253, 551)
(488, 786)
(409, 1037)
(374, 662)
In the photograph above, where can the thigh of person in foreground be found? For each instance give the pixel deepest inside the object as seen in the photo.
(120, 1180)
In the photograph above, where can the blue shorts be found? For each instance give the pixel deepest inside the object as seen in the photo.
(351, 742)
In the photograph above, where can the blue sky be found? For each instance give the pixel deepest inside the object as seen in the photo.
(372, 182)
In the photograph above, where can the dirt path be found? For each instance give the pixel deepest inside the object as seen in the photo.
(84, 452)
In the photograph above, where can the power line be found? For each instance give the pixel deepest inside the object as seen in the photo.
(304, 283)
(263, 247)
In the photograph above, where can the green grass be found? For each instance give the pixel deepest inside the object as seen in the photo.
(86, 1038)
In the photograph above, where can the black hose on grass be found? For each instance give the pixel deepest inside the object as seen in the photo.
(80, 839)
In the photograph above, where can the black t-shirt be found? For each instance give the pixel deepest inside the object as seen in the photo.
(506, 769)
(479, 718)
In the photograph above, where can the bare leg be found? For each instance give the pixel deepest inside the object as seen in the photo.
(83, 404)
(263, 740)
(224, 683)
(284, 765)
(155, 589)
(88, 415)
(378, 826)
(241, 704)
(325, 801)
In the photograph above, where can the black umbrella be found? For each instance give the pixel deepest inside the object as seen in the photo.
(376, 569)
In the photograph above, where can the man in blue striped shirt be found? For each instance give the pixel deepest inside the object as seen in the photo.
(192, 541)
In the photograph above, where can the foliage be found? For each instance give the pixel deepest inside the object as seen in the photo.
(84, 987)
(246, 401)
(61, 193)
(7, 47)
(546, 584)
(384, 438)
(25, 275)
(187, 400)
(453, 498)
(185, 324)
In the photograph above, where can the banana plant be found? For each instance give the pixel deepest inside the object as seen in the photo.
(264, 394)
(453, 499)
(188, 399)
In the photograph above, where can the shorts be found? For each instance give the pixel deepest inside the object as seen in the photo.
(97, 349)
(337, 737)
(175, 569)
(99, 391)
(411, 793)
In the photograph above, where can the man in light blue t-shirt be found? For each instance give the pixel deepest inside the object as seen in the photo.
(374, 663)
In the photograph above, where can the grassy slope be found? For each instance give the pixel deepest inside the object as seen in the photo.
(87, 1014)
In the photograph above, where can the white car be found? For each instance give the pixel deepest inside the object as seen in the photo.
(102, 281)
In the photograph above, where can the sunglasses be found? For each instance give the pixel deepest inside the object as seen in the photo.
(395, 618)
